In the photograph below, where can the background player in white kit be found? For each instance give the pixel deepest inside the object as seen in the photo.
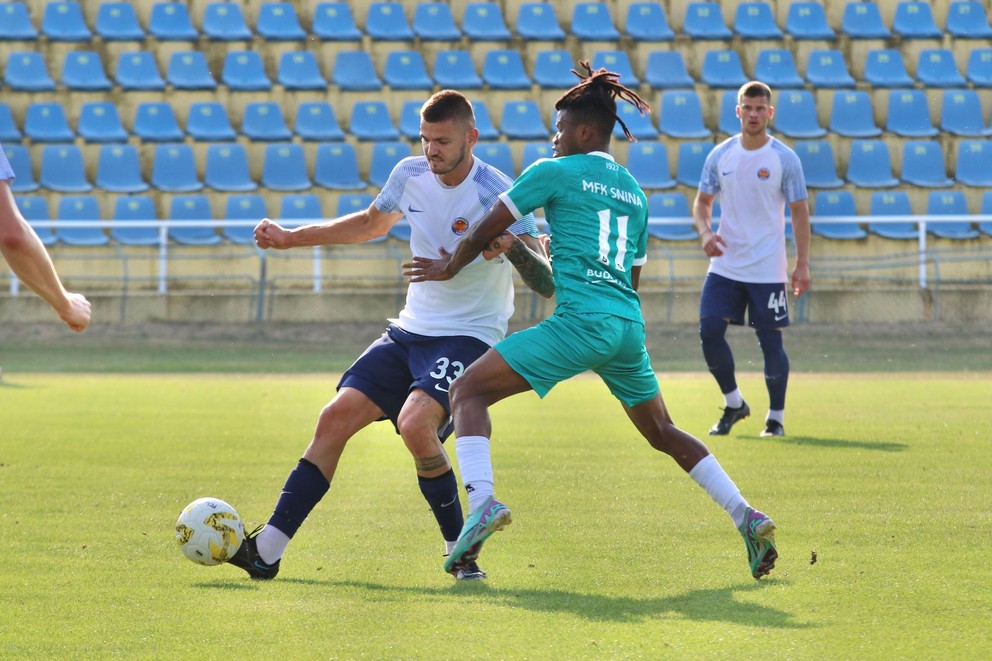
(444, 326)
(755, 175)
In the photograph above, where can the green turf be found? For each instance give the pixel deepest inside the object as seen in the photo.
(613, 554)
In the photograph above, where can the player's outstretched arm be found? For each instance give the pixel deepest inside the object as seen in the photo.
(528, 256)
(356, 227)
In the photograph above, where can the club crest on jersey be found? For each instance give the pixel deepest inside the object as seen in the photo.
(459, 226)
(763, 174)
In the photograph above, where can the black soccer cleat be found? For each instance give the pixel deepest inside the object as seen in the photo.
(468, 570)
(729, 417)
(247, 558)
(773, 428)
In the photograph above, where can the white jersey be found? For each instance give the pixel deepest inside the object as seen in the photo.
(754, 187)
(477, 302)
(6, 172)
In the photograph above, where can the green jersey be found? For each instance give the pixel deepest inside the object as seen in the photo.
(598, 219)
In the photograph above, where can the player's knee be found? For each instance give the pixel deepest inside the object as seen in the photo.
(712, 329)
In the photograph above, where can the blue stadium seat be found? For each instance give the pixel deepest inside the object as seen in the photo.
(973, 166)
(263, 121)
(553, 69)
(117, 21)
(870, 165)
(682, 115)
(827, 68)
(387, 21)
(647, 161)
(923, 164)
(968, 20)
(224, 21)
(692, 155)
(406, 70)
(409, 123)
(35, 208)
(892, 203)
(795, 115)
(936, 68)
(336, 167)
(729, 123)
(118, 170)
(432, 21)
(454, 69)
(836, 203)
(639, 125)
(188, 70)
(227, 168)
(208, 122)
(83, 71)
(777, 68)
(20, 162)
(986, 226)
(244, 71)
(521, 120)
(174, 169)
(63, 21)
(909, 114)
(99, 121)
(27, 72)
(885, 68)
(135, 207)
(863, 20)
(755, 20)
(9, 132)
(155, 121)
(504, 70)
(914, 20)
(305, 206)
(484, 21)
(961, 114)
(333, 21)
(533, 151)
(704, 20)
(250, 206)
(15, 23)
(137, 70)
(949, 203)
(852, 116)
(385, 155)
(277, 21)
(370, 120)
(671, 205)
(72, 210)
(591, 21)
(46, 122)
(284, 167)
(538, 21)
(616, 61)
(723, 69)
(298, 70)
(979, 70)
(819, 164)
(354, 71)
(647, 21)
(498, 155)
(170, 21)
(484, 121)
(316, 121)
(192, 208)
(667, 70)
(808, 20)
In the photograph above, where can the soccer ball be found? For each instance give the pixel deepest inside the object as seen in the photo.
(209, 531)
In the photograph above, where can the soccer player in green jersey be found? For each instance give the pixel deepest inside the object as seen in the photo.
(597, 215)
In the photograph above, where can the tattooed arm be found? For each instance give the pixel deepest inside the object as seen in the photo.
(528, 256)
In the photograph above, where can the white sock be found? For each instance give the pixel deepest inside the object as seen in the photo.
(449, 546)
(778, 416)
(476, 466)
(271, 543)
(717, 484)
(734, 399)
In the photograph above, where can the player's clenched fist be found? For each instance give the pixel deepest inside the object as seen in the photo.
(271, 235)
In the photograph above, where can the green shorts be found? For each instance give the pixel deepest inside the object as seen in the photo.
(564, 345)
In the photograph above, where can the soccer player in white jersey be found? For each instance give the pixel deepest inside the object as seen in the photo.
(597, 215)
(28, 259)
(755, 176)
(444, 326)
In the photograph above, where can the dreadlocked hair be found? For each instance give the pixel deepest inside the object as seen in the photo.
(594, 99)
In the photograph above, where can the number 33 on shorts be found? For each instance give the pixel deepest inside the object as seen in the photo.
(778, 305)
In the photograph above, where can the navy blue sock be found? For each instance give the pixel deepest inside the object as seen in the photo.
(776, 367)
(441, 493)
(304, 488)
(716, 351)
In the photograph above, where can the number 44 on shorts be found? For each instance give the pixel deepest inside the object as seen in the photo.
(779, 305)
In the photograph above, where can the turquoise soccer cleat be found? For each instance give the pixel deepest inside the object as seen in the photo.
(758, 532)
(483, 522)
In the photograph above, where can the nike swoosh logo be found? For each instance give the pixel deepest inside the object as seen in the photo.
(437, 386)
(453, 500)
(726, 173)
(412, 210)
(781, 317)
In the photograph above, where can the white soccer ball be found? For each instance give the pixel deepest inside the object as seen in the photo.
(209, 531)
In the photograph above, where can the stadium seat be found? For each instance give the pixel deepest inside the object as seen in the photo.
(63, 21)
(385, 155)
(534, 150)
(334, 21)
(986, 226)
(27, 72)
(647, 161)
(836, 203)
(639, 125)
(863, 20)
(670, 205)
(723, 69)
(118, 170)
(979, 71)
(20, 162)
(305, 206)
(208, 122)
(522, 121)
(852, 117)
(155, 121)
(483, 21)
(169, 21)
(973, 166)
(134, 208)
(454, 69)
(74, 209)
(192, 208)
(336, 167)
(484, 121)
(406, 70)
(616, 61)
(553, 69)
(808, 20)
(352, 202)
(174, 169)
(137, 70)
(647, 21)
(591, 21)
(819, 164)
(936, 68)
(263, 121)
(968, 20)
(537, 21)
(909, 114)
(432, 21)
(244, 71)
(277, 21)
(892, 203)
(870, 165)
(224, 21)
(729, 123)
(692, 155)
(188, 70)
(409, 123)
(117, 21)
(387, 21)
(682, 115)
(949, 203)
(504, 70)
(35, 208)
(370, 120)
(498, 155)
(83, 71)
(8, 127)
(284, 167)
(885, 68)
(227, 168)
(99, 121)
(46, 122)
(704, 20)
(250, 206)
(15, 23)
(923, 164)
(914, 20)
(316, 121)
(777, 68)
(298, 70)
(354, 71)
(755, 20)
(961, 114)
(667, 70)
(828, 69)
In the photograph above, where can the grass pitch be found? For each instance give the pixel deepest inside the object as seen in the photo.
(614, 553)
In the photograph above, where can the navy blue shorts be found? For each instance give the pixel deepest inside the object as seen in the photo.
(766, 303)
(400, 361)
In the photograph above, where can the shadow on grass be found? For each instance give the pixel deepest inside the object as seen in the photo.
(878, 446)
